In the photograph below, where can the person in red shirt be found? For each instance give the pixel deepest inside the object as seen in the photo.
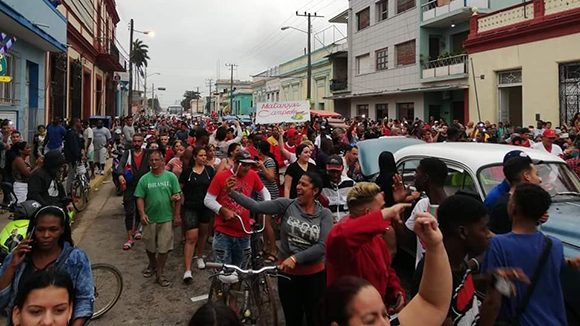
(355, 246)
(231, 245)
(292, 137)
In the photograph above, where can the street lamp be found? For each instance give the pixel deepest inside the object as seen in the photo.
(153, 94)
(132, 29)
(309, 66)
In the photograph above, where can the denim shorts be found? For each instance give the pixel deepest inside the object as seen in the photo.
(231, 250)
(193, 217)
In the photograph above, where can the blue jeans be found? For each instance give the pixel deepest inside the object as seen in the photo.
(231, 250)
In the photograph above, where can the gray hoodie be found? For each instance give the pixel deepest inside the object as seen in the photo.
(301, 234)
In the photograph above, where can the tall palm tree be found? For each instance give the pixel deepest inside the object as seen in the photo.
(139, 57)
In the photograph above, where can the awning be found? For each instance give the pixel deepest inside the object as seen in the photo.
(14, 24)
(341, 18)
(397, 91)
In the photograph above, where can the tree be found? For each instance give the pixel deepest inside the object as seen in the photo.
(140, 54)
(187, 97)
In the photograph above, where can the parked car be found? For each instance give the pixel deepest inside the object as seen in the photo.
(477, 168)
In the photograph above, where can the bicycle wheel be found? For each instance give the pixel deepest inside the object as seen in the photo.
(265, 301)
(79, 196)
(108, 283)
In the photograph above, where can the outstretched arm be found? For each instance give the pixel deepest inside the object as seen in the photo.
(272, 207)
(430, 306)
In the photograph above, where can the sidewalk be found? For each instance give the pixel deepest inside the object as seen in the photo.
(96, 182)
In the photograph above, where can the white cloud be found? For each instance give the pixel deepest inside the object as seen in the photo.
(192, 36)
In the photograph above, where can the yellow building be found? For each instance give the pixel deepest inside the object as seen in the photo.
(526, 63)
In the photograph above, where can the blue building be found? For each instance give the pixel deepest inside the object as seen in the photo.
(28, 30)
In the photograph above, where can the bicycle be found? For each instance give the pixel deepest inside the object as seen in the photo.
(108, 286)
(258, 306)
(81, 187)
(255, 284)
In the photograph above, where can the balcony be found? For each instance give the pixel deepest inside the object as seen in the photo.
(109, 58)
(445, 68)
(36, 22)
(529, 21)
(443, 13)
(338, 85)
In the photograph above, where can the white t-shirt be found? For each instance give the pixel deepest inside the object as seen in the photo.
(423, 205)
(556, 150)
(88, 134)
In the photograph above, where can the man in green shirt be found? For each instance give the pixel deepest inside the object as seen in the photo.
(158, 195)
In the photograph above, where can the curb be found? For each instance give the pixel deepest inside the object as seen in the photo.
(99, 179)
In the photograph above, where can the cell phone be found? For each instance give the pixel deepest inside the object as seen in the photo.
(29, 235)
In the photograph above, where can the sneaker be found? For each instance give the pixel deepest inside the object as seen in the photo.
(187, 277)
(229, 279)
(200, 263)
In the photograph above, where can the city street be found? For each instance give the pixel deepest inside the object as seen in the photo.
(101, 233)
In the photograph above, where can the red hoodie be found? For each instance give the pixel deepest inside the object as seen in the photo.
(355, 247)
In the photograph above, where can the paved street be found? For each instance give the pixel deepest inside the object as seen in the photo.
(101, 233)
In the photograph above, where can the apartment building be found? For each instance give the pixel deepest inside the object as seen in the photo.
(406, 58)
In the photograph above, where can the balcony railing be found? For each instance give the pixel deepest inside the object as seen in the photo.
(435, 8)
(338, 85)
(107, 49)
(449, 66)
(527, 13)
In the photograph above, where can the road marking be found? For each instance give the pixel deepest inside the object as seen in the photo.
(199, 298)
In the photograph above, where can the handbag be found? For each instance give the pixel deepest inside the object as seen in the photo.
(521, 307)
(127, 170)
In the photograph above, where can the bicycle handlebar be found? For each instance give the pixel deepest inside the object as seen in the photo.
(255, 231)
(241, 271)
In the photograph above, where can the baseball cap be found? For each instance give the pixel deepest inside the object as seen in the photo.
(334, 163)
(245, 157)
(291, 133)
(513, 154)
(549, 133)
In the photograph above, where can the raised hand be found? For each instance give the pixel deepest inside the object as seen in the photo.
(427, 229)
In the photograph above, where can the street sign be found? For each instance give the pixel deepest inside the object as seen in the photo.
(3, 65)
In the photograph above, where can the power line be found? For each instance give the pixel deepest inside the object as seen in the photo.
(277, 31)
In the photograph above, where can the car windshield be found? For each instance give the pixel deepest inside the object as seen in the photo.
(557, 179)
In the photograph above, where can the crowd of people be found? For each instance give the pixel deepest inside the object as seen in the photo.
(337, 231)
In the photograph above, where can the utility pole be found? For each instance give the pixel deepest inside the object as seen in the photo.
(130, 95)
(231, 66)
(153, 97)
(309, 67)
(197, 101)
(209, 82)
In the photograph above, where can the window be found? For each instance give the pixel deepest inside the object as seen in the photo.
(406, 110)
(405, 53)
(382, 59)
(362, 109)
(382, 10)
(7, 93)
(363, 64)
(363, 18)
(404, 5)
(569, 91)
(382, 111)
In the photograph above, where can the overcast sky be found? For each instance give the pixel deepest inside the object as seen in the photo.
(193, 38)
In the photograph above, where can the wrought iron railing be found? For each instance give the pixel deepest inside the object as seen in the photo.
(338, 85)
(446, 61)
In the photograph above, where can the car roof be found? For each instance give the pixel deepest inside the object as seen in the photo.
(474, 155)
(370, 149)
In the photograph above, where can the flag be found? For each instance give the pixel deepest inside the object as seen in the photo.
(6, 42)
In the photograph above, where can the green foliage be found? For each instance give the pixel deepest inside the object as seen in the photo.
(187, 97)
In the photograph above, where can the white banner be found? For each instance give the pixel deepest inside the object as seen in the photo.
(276, 112)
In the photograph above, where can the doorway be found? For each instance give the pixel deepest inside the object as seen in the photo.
(434, 48)
(32, 98)
(99, 96)
(510, 105)
(458, 109)
(435, 111)
(86, 95)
